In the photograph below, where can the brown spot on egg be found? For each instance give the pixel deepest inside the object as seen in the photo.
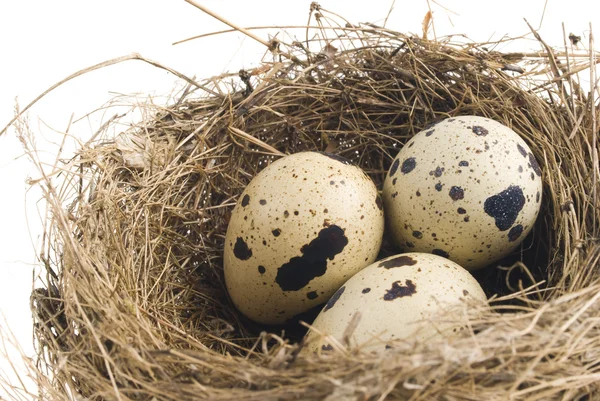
(515, 232)
(327, 347)
(437, 172)
(479, 130)
(262, 202)
(460, 210)
(276, 232)
(417, 234)
(366, 290)
(300, 270)
(261, 269)
(241, 250)
(332, 301)
(534, 165)
(398, 261)
(439, 186)
(245, 200)
(408, 165)
(312, 295)
(440, 252)
(399, 291)
(465, 293)
(505, 206)
(394, 167)
(456, 193)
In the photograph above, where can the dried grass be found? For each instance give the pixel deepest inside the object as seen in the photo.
(135, 306)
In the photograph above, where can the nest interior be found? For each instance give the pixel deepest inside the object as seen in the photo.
(135, 307)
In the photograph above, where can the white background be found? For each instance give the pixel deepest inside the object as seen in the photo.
(41, 42)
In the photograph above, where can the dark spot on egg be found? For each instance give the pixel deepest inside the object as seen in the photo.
(463, 163)
(465, 293)
(337, 158)
(439, 186)
(520, 169)
(466, 219)
(394, 181)
(515, 232)
(417, 234)
(456, 193)
(296, 213)
(331, 303)
(534, 165)
(479, 130)
(394, 167)
(331, 182)
(430, 132)
(241, 250)
(408, 165)
(327, 347)
(537, 197)
(312, 295)
(366, 290)
(410, 244)
(460, 210)
(532, 176)
(261, 269)
(276, 232)
(245, 200)
(418, 193)
(437, 172)
(399, 291)
(286, 214)
(398, 261)
(300, 270)
(440, 252)
(505, 206)
(262, 202)
(522, 150)
(379, 202)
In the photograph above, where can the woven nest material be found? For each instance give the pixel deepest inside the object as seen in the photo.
(135, 306)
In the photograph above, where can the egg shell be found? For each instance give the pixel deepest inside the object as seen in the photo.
(467, 188)
(301, 228)
(411, 296)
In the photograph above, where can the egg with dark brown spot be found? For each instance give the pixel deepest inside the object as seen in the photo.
(412, 296)
(479, 182)
(294, 237)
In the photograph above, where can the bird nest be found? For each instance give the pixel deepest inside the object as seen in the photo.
(134, 305)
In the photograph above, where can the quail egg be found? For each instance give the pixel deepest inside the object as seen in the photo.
(467, 188)
(301, 228)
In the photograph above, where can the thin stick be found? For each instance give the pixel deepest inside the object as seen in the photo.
(593, 88)
(107, 63)
(227, 22)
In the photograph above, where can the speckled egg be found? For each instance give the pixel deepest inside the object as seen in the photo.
(467, 188)
(301, 228)
(412, 296)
